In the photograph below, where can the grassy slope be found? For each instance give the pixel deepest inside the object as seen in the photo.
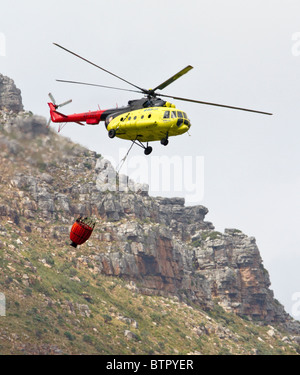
(44, 310)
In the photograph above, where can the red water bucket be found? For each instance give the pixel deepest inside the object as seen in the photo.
(80, 233)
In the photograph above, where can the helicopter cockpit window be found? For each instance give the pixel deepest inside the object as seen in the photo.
(180, 115)
(173, 114)
(184, 115)
(108, 120)
(167, 114)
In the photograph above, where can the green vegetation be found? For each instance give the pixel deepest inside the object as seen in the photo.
(210, 235)
(68, 307)
(196, 243)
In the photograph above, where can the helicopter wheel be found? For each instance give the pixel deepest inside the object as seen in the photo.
(112, 133)
(164, 141)
(148, 150)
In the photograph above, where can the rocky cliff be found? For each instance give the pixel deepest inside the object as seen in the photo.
(10, 95)
(158, 245)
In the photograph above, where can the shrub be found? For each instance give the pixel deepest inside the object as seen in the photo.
(28, 292)
(107, 318)
(69, 336)
(211, 235)
(196, 243)
(88, 339)
(38, 333)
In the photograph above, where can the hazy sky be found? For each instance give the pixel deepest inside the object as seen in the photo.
(243, 166)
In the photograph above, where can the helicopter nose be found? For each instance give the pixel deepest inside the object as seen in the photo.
(184, 128)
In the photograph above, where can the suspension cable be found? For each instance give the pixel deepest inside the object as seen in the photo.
(123, 160)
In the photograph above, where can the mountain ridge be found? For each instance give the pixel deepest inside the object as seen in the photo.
(154, 247)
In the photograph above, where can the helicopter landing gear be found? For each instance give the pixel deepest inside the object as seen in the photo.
(165, 141)
(112, 133)
(148, 150)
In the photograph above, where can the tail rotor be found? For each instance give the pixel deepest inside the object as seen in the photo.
(53, 101)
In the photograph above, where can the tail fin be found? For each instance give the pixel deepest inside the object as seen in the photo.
(56, 116)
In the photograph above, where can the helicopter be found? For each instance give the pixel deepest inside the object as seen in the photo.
(143, 120)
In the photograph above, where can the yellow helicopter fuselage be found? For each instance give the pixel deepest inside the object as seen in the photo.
(150, 124)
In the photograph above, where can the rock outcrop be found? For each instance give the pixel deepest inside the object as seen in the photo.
(10, 95)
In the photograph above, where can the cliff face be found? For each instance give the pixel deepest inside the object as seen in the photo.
(160, 246)
(191, 261)
(10, 95)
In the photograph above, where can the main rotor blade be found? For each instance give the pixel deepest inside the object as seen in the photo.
(94, 84)
(99, 67)
(173, 78)
(215, 104)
